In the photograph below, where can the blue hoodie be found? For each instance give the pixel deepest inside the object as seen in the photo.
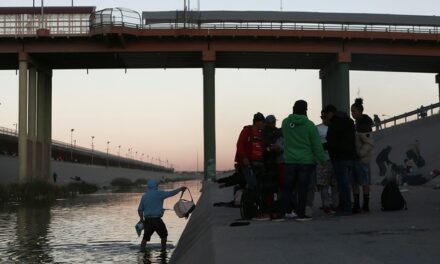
(151, 204)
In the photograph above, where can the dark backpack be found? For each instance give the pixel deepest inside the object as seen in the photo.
(392, 199)
(248, 206)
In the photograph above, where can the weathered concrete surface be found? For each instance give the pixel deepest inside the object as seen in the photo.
(99, 175)
(426, 130)
(411, 236)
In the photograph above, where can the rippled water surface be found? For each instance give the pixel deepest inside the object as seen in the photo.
(86, 229)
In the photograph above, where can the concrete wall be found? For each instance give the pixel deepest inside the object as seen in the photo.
(196, 245)
(426, 130)
(92, 174)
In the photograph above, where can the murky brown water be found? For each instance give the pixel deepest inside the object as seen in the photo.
(87, 229)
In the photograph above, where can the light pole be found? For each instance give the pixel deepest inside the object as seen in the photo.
(16, 127)
(142, 157)
(71, 144)
(119, 155)
(108, 143)
(135, 155)
(93, 137)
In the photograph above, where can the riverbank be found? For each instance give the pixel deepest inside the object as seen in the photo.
(98, 175)
(410, 236)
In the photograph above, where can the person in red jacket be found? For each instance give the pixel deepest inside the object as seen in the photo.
(250, 156)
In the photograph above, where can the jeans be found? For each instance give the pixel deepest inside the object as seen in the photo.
(296, 176)
(343, 171)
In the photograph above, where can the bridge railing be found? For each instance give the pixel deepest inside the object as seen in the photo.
(419, 113)
(54, 24)
(299, 26)
(95, 153)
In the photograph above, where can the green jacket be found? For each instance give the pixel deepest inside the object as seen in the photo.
(302, 144)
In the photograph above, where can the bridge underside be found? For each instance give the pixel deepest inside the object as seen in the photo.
(252, 60)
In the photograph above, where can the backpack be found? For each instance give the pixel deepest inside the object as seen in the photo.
(392, 199)
(248, 205)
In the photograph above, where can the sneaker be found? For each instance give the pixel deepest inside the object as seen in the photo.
(262, 217)
(290, 215)
(303, 218)
(328, 211)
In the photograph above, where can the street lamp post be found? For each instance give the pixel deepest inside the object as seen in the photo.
(108, 143)
(71, 144)
(93, 137)
(16, 127)
(119, 155)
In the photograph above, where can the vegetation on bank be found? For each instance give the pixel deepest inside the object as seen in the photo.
(42, 191)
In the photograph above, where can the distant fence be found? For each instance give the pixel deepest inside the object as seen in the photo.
(419, 113)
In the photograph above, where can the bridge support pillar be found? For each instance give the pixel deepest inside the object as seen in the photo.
(44, 125)
(209, 119)
(22, 118)
(32, 123)
(335, 81)
(437, 80)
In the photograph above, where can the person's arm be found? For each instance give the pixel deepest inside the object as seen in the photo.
(173, 192)
(317, 147)
(242, 147)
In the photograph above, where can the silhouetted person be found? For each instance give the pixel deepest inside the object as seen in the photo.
(383, 158)
(55, 176)
(423, 113)
(364, 150)
(341, 145)
(377, 122)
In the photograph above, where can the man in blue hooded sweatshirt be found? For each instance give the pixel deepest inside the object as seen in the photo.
(150, 211)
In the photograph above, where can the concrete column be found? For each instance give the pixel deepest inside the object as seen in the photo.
(41, 94)
(32, 122)
(336, 86)
(22, 118)
(437, 80)
(47, 143)
(209, 119)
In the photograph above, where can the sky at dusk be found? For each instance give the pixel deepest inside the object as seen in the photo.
(159, 112)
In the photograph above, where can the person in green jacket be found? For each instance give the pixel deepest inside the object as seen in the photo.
(302, 148)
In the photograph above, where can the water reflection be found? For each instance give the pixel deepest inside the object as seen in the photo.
(155, 256)
(91, 228)
(31, 234)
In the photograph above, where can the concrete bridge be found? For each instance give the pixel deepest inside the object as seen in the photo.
(36, 42)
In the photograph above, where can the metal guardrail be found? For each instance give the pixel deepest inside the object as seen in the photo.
(300, 26)
(419, 113)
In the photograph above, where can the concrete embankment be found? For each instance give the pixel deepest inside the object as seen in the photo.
(410, 236)
(99, 175)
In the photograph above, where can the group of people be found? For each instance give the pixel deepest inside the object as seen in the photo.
(284, 166)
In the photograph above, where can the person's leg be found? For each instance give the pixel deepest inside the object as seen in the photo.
(366, 187)
(311, 188)
(162, 231)
(343, 169)
(286, 194)
(303, 173)
(355, 182)
(148, 231)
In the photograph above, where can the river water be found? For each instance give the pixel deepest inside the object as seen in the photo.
(96, 228)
